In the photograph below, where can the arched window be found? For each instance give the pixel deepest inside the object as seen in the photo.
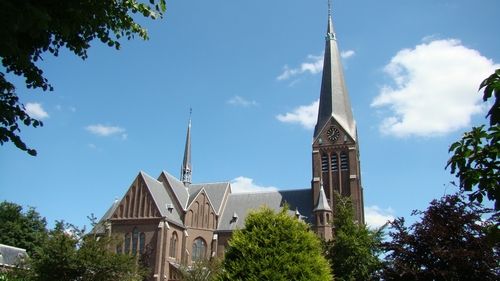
(142, 242)
(127, 243)
(173, 245)
(199, 249)
(135, 237)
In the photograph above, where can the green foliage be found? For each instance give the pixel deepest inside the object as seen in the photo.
(69, 254)
(274, 246)
(491, 86)
(353, 252)
(475, 159)
(31, 28)
(450, 242)
(202, 270)
(20, 229)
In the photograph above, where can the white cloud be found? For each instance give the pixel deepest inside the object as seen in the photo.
(305, 115)
(105, 131)
(434, 89)
(376, 217)
(240, 101)
(347, 54)
(35, 110)
(244, 184)
(313, 65)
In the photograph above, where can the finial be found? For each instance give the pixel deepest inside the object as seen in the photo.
(190, 113)
(329, 8)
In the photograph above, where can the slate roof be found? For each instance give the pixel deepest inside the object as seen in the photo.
(11, 256)
(162, 199)
(180, 191)
(240, 204)
(100, 228)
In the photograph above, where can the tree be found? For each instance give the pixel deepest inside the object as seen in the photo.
(69, 254)
(201, 270)
(22, 229)
(32, 28)
(274, 246)
(353, 252)
(449, 243)
(475, 160)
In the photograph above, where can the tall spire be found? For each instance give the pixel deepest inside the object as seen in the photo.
(186, 164)
(334, 99)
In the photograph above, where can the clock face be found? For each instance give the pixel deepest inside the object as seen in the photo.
(333, 133)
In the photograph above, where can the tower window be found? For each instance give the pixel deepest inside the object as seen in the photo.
(335, 163)
(344, 162)
(324, 163)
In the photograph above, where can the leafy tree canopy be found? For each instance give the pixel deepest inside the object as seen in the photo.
(69, 254)
(353, 252)
(475, 160)
(31, 28)
(201, 270)
(274, 246)
(22, 229)
(449, 243)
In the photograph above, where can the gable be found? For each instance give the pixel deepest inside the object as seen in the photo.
(333, 133)
(200, 212)
(137, 203)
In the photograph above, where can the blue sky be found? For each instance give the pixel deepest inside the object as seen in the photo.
(250, 71)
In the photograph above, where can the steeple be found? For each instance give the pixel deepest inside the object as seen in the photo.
(334, 99)
(186, 168)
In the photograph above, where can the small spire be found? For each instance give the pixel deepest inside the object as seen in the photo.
(186, 169)
(322, 204)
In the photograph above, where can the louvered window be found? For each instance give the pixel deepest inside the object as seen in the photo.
(324, 163)
(344, 162)
(335, 163)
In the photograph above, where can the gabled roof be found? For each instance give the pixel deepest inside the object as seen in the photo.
(180, 191)
(162, 199)
(11, 256)
(239, 205)
(100, 228)
(334, 98)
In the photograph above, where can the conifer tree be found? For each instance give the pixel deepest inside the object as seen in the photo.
(353, 252)
(275, 247)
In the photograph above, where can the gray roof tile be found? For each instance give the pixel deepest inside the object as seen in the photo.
(242, 203)
(162, 199)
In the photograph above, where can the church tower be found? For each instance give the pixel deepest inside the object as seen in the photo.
(335, 150)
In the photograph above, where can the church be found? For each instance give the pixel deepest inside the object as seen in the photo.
(171, 221)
